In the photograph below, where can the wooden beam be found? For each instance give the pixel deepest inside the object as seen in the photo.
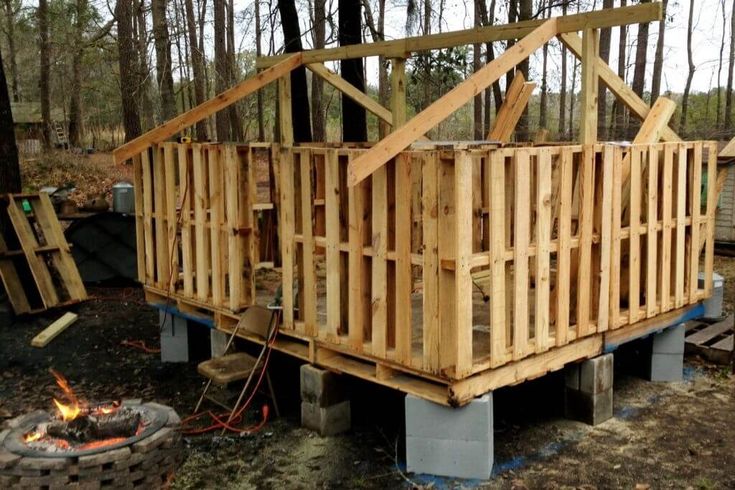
(617, 85)
(351, 91)
(401, 48)
(285, 113)
(206, 109)
(398, 91)
(516, 99)
(588, 105)
(655, 122)
(395, 142)
(49, 333)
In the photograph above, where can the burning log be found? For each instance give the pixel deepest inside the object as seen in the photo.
(123, 422)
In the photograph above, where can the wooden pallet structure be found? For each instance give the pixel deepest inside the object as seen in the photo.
(36, 265)
(441, 269)
(713, 341)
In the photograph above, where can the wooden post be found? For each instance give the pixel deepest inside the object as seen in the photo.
(398, 91)
(285, 118)
(588, 119)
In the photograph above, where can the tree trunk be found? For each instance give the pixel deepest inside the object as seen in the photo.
(602, 127)
(144, 81)
(221, 75)
(728, 93)
(197, 62)
(10, 34)
(128, 69)
(45, 71)
(543, 102)
(233, 73)
(354, 121)
(163, 59)
(563, 89)
(658, 60)
(476, 65)
(719, 68)
(525, 12)
(259, 53)
(9, 167)
(317, 84)
(618, 109)
(639, 73)
(75, 102)
(690, 59)
(383, 81)
(299, 90)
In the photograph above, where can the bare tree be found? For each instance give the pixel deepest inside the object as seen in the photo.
(618, 109)
(354, 122)
(233, 112)
(10, 35)
(162, 44)
(221, 75)
(259, 53)
(9, 167)
(685, 97)
(75, 102)
(731, 65)
(128, 69)
(719, 67)
(602, 128)
(299, 91)
(658, 61)
(476, 65)
(43, 83)
(197, 62)
(563, 88)
(318, 32)
(639, 72)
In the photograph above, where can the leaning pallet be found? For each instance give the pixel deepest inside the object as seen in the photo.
(36, 265)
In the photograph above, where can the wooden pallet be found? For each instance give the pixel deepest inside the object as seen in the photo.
(713, 341)
(36, 264)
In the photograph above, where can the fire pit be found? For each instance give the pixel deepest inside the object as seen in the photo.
(126, 443)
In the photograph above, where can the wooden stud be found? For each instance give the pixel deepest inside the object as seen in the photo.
(615, 252)
(634, 264)
(588, 104)
(286, 219)
(447, 245)
(285, 116)
(171, 219)
(403, 289)
(307, 233)
(652, 232)
(186, 192)
(235, 243)
(356, 322)
(379, 268)
(696, 210)
(667, 226)
(712, 196)
(463, 280)
(430, 269)
(521, 235)
(139, 230)
(496, 191)
(150, 254)
(586, 217)
(606, 231)
(681, 197)
(398, 92)
(333, 243)
(543, 238)
(216, 208)
(563, 256)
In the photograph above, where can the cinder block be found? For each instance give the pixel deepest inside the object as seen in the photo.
(218, 342)
(451, 458)
(174, 338)
(321, 387)
(473, 422)
(596, 375)
(454, 442)
(571, 376)
(670, 341)
(587, 408)
(327, 421)
(667, 367)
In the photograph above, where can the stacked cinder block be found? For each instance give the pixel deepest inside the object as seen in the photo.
(589, 390)
(325, 406)
(667, 355)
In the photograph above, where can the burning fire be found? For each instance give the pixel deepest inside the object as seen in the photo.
(33, 436)
(73, 409)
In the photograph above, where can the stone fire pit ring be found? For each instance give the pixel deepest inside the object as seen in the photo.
(145, 461)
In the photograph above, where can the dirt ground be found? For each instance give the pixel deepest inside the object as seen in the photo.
(678, 435)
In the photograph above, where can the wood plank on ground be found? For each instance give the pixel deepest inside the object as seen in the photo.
(52, 331)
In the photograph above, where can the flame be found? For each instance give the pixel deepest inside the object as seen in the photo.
(68, 412)
(32, 436)
(71, 410)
